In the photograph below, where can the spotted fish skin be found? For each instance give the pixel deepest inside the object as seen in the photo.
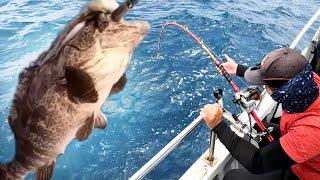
(60, 95)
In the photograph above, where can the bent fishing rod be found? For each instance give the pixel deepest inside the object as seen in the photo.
(216, 61)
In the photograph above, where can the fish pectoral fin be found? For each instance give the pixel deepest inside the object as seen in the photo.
(45, 172)
(100, 121)
(118, 86)
(80, 85)
(85, 130)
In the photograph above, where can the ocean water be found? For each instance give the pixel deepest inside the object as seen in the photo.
(162, 95)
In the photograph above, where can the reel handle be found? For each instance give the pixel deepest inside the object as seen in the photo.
(218, 93)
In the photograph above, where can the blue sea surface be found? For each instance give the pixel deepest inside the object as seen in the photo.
(162, 95)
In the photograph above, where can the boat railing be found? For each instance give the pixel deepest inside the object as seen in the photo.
(305, 29)
(144, 170)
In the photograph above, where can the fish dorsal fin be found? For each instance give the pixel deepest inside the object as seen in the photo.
(80, 85)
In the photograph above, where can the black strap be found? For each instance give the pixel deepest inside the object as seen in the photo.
(241, 69)
(316, 60)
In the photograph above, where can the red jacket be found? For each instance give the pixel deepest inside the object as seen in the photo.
(301, 139)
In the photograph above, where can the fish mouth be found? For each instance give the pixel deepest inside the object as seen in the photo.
(146, 26)
(137, 26)
(143, 26)
(139, 30)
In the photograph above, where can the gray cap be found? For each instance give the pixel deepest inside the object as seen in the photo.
(281, 64)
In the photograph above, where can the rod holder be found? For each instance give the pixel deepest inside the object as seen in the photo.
(210, 157)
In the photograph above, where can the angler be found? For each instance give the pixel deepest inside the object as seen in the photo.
(295, 153)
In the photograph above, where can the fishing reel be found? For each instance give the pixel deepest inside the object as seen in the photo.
(247, 98)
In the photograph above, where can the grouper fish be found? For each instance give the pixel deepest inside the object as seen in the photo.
(60, 95)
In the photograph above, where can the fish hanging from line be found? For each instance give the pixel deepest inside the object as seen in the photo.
(60, 95)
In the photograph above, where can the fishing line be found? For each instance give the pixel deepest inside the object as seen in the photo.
(242, 81)
(200, 42)
(214, 59)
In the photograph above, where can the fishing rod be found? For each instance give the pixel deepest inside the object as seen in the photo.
(216, 61)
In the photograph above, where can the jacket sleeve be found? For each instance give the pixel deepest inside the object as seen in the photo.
(268, 158)
(241, 69)
(302, 141)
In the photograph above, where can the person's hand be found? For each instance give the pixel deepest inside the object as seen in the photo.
(230, 66)
(212, 114)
